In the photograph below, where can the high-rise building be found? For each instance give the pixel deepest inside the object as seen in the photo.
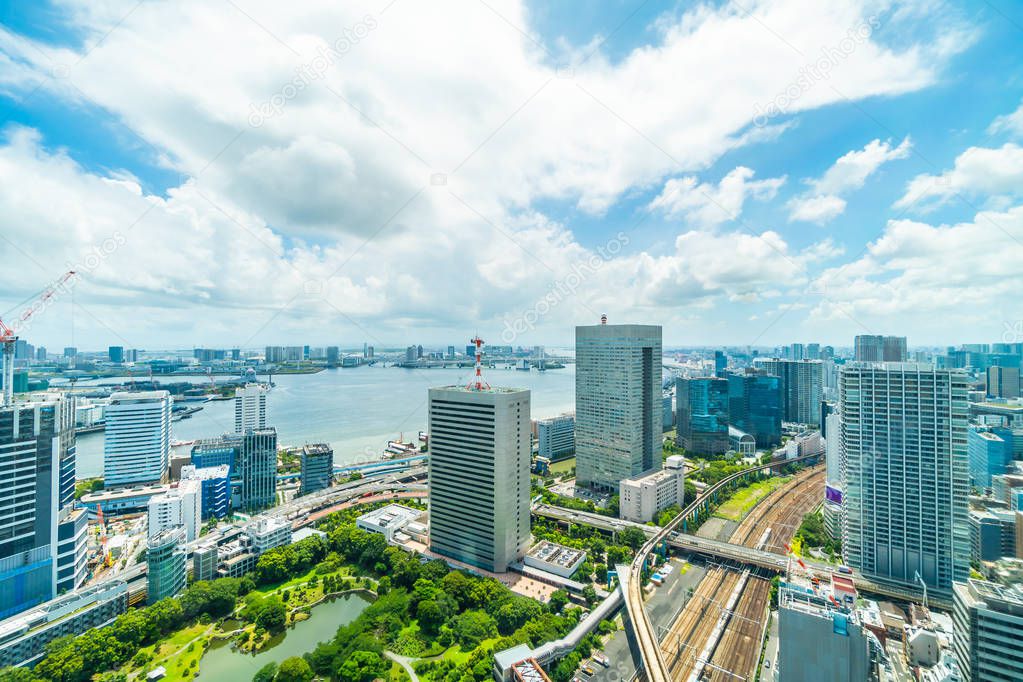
(70, 351)
(618, 403)
(215, 488)
(556, 436)
(333, 356)
(720, 363)
(879, 348)
(41, 354)
(204, 562)
(479, 475)
(42, 534)
(136, 448)
(801, 384)
(317, 462)
(166, 568)
(257, 468)
(754, 406)
(369, 352)
(832, 509)
(411, 355)
(115, 354)
(702, 419)
(905, 477)
(990, 451)
(797, 351)
(180, 506)
(250, 408)
(813, 351)
(987, 621)
(1003, 382)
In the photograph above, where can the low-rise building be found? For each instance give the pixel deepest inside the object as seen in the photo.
(388, 521)
(641, 497)
(24, 636)
(554, 558)
(205, 560)
(267, 533)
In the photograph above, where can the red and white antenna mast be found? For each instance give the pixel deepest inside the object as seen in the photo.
(477, 384)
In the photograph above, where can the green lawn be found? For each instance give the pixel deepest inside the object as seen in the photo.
(562, 467)
(743, 500)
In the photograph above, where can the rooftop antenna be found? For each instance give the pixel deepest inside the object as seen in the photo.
(477, 384)
(603, 318)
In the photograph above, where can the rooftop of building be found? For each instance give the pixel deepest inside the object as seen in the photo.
(267, 524)
(129, 396)
(391, 515)
(486, 389)
(204, 473)
(114, 494)
(555, 554)
(317, 449)
(994, 596)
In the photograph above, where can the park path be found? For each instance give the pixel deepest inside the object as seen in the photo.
(405, 662)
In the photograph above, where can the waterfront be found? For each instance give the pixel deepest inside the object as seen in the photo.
(355, 410)
(223, 662)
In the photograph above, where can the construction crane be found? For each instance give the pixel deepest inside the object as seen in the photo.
(9, 336)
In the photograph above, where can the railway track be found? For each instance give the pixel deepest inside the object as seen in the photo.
(738, 649)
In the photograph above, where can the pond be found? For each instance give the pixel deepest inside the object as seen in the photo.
(223, 662)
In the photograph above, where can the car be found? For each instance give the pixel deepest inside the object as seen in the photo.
(767, 664)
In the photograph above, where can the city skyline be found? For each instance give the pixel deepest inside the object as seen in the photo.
(802, 183)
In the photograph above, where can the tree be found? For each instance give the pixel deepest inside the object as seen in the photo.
(362, 666)
(590, 594)
(472, 627)
(266, 673)
(430, 616)
(294, 669)
(558, 600)
(272, 614)
(632, 537)
(514, 614)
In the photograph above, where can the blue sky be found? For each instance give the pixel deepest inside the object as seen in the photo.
(124, 109)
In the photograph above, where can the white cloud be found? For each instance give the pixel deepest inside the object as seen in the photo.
(1011, 124)
(708, 205)
(924, 275)
(823, 202)
(338, 179)
(977, 171)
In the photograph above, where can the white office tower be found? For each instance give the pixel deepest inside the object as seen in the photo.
(181, 506)
(905, 476)
(250, 408)
(479, 475)
(618, 409)
(987, 620)
(832, 508)
(137, 445)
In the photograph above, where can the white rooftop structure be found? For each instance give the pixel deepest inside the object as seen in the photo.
(557, 559)
(388, 520)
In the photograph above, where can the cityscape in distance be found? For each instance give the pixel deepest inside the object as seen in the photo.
(516, 341)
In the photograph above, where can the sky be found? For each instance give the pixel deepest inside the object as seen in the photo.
(240, 173)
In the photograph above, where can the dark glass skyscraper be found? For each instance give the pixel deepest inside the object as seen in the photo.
(702, 407)
(754, 406)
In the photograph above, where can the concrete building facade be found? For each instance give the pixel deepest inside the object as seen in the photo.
(905, 472)
(556, 437)
(640, 498)
(136, 446)
(618, 403)
(250, 408)
(479, 482)
(988, 628)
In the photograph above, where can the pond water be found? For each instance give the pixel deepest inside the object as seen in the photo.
(223, 662)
